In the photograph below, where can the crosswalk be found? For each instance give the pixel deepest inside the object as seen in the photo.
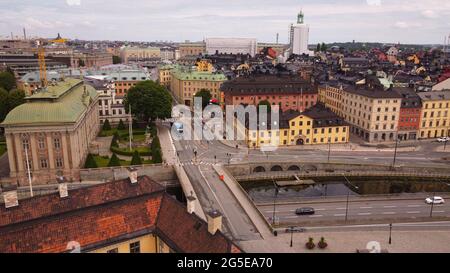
(197, 163)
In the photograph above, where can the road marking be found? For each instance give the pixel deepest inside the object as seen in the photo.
(438, 211)
(271, 211)
(364, 213)
(337, 215)
(388, 212)
(319, 209)
(413, 212)
(389, 206)
(340, 208)
(315, 216)
(291, 216)
(366, 207)
(414, 206)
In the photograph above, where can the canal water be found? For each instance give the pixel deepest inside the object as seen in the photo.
(265, 190)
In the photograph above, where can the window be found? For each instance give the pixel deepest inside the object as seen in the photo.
(57, 143)
(114, 250)
(59, 162)
(44, 163)
(25, 144)
(41, 143)
(135, 247)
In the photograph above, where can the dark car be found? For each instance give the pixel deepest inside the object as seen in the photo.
(304, 211)
(295, 229)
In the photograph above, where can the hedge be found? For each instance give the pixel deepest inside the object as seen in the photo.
(121, 151)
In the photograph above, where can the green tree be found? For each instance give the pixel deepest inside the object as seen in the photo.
(116, 60)
(136, 160)
(265, 103)
(3, 103)
(7, 80)
(81, 63)
(318, 48)
(205, 94)
(156, 156)
(90, 162)
(121, 126)
(155, 143)
(323, 47)
(114, 161)
(16, 97)
(148, 101)
(115, 139)
(106, 125)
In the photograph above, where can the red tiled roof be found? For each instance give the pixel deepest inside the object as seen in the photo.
(194, 236)
(96, 216)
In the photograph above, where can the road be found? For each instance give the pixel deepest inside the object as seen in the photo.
(370, 210)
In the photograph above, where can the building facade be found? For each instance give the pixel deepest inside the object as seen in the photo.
(299, 36)
(231, 46)
(435, 121)
(51, 132)
(317, 125)
(191, 49)
(139, 54)
(186, 82)
(290, 93)
(410, 113)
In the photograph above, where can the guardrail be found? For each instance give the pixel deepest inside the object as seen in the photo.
(291, 174)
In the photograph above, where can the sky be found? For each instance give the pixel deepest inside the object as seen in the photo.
(387, 21)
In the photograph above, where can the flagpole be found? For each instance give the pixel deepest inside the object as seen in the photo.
(130, 126)
(28, 171)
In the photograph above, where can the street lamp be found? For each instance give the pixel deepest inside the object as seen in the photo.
(348, 196)
(329, 148)
(292, 233)
(390, 233)
(274, 201)
(395, 152)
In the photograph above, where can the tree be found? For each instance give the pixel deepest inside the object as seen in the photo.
(136, 160)
(106, 125)
(205, 95)
(323, 47)
(3, 103)
(318, 48)
(115, 139)
(149, 101)
(156, 150)
(90, 162)
(266, 103)
(7, 81)
(116, 60)
(121, 126)
(16, 97)
(80, 63)
(114, 161)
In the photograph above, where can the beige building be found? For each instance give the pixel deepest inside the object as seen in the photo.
(185, 83)
(435, 121)
(53, 129)
(139, 54)
(372, 112)
(191, 49)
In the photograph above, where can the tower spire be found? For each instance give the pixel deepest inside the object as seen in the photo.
(300, 17)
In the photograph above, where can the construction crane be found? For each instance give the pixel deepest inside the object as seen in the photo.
(41, 59)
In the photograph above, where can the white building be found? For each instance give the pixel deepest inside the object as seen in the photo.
(231, 45)
(299, 37)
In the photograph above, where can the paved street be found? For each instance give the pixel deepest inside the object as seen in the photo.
(374, 210)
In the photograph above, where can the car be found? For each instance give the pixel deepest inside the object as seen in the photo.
(304, 211)
(435, 200)
(295, 229)
(443, 139)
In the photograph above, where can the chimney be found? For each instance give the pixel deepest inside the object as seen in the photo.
(10, 197)
(214, 221)
(62, 187)
(133, 175)
(191, 204)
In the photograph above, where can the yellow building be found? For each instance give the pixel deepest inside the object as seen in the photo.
(186, 82)
(165, 76)
(191, 49)
(317, 125)
(435, 121)
(140, 54)
(204, 66)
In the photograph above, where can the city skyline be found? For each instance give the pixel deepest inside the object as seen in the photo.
(410, 22)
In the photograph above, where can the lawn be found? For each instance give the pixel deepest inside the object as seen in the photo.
(102, 161)
(2, 149)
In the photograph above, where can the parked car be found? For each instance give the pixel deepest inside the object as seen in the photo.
(443, 139)
(435, 200)
(304, 211)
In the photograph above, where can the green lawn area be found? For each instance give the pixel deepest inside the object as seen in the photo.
(103, 161)
(2, 149)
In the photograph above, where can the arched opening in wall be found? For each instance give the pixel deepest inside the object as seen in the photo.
(310, 168)
(294, 168)
(300, 141)
(276, 168)
(259, 169)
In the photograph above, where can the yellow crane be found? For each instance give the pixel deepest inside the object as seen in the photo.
(41, 60)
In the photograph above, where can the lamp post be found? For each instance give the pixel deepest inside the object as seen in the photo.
(274, 201)
(292, 233)
(395, 152)
(348, 196)
(329, 148)
(390, 233)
